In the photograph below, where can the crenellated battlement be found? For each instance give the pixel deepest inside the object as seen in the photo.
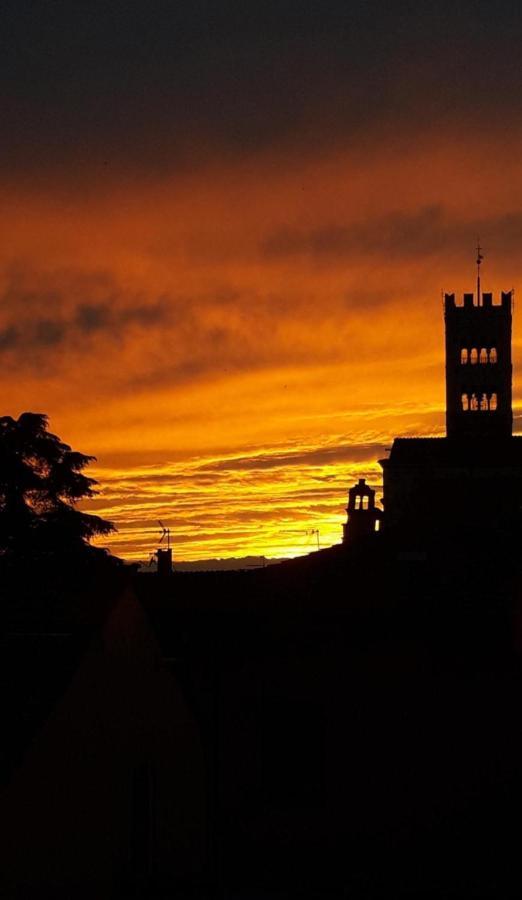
(470, 301)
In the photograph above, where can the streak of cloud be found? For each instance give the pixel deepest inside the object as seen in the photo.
(225, 230)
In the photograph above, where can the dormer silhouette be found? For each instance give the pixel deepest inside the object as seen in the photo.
(478, 366)
(363, 515)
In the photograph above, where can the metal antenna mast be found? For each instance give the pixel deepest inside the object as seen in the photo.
(316, 532)
(165, 534)
(480, 257)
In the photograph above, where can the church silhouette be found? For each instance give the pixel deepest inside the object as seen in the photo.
(471, 479)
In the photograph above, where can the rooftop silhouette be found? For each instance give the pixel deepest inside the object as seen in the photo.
(343, 724)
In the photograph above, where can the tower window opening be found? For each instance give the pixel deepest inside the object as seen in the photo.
(474, 403)
(473, 358)
(483, 356)
(493, 357)
(465, 402)
(358, 502)
(377, 525)
(493, 402)
(365, 502)
(463, 356)
(484, 401)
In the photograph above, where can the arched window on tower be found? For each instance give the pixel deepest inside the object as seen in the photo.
(493, 402)
(474, 403)
(365, 502)
(463, 356)
(465, 402)
(473, 357)
(484, 402)
(493, 358)
(483, 356)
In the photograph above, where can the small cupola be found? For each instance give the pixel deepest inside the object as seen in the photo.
(363, 514)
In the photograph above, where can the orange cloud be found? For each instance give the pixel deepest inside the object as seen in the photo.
(237, 343)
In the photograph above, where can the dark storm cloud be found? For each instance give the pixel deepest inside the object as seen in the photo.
(29, 290)
(95, 317)
(9, 338)
(315, 457)
(123, 83)
(197, 334)
(398, 236)
(68, 319)
(47, 334)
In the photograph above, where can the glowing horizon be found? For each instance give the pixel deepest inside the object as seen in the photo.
(224, 279)
(236, 391)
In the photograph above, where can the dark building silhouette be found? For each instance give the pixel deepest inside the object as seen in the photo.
(103, 788)
(478, 366)
(339, 725)
(363, 514)
(164, 558)
(472, 478)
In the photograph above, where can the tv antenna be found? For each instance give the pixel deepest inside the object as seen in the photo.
(309, 533)
(316, 532)
(165, 533)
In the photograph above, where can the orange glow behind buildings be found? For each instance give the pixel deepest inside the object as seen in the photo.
(238, 342)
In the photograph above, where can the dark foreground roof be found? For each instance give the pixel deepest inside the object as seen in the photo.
(451, 452)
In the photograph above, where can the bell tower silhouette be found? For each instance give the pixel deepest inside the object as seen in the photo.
(363, 514)
(478, 364)
(471, 480)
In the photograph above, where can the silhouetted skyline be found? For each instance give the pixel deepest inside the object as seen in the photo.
(225, 230)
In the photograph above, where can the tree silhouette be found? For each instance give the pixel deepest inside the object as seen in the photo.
(41, 480)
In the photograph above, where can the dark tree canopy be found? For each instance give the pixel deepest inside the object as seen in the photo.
(41, 480)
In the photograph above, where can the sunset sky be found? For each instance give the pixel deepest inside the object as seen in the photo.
(225, 230)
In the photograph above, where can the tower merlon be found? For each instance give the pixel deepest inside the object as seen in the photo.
(469, 301)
